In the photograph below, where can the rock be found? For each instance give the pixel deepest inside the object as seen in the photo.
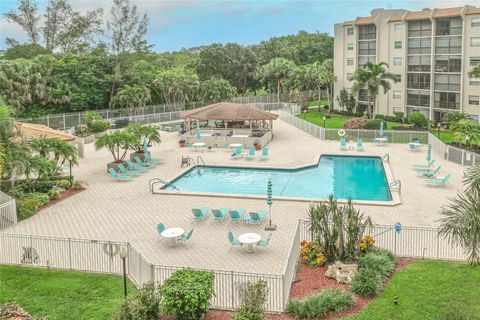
(12, 311)
(342, 272)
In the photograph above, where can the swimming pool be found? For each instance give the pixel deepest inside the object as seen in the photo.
(346, 177)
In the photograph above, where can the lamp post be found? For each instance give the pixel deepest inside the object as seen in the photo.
(123, 256)
(70, 159)
(324, 119)
(438, 129)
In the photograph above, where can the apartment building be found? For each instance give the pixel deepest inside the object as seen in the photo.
(430, 51)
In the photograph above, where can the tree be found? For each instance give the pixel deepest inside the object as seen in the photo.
(176, 86)
(373, 77)
(27, 18)
(117, 143)
(54, 149)
(454, 116)
(275, 73)
(216, 90)
(475, 73)
(142, 133)
(327, 79)
(309, 81)
(466, 132)
(346, 100)
(25, 51)
(131, 97)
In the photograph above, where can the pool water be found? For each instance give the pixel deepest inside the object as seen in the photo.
(346, 177)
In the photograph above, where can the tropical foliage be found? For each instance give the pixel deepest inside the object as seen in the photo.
(142, 133)
(117, 143)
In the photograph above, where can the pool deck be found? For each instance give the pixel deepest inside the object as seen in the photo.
(127, 211)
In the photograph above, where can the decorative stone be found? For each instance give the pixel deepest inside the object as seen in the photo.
(342, 272)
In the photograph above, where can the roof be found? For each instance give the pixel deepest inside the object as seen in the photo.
(448, 12)
(228, 111)
(418, 15)
(348, 23)
(472, 11)
(395, 19)
(32, 131)
(364, 20)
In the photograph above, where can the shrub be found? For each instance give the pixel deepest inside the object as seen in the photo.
(145, 305)
(99, 126)
(399, 116)
(355, 123)
(41, 198)
(379, 116)
(82, 130)
(125, 311)
(26, 208)
(367, 243)
(320, 304)
(366, 283)
(380, 263)
(77, 184)
(254, 296)
(312, 253)
(391, 119)
(375, 124)
(418, 120)
(186, 294)
(384, 252)
(64, 184)
(399, 128)
(54, 193)
(17, 192)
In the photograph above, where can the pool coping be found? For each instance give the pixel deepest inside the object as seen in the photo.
(396, 196)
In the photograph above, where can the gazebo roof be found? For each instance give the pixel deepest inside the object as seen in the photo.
(228, 111)
(32, 130)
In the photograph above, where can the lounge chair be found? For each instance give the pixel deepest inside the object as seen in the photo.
(200, 214)
(186, 236)
(429, 173)
(360, 146)
(117, 176)
(142, 163)
(343, 144)
(251, 154)
(264, 242)
(190, 144)
(126, 171)
(439, 181)
(220, 214)
(237, 154)
(264, 155)
(232, 240)
(148, 157)
(257, 217)
(133, 166)
(424, 166)
(236, 214)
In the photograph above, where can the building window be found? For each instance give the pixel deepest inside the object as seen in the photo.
(418, 98)
(475, 22)
(419, 63)
(422, 28)
(447, 82)
(397, 61)
(349, 46)
(475, 41)
(398, 78)
(449, 45)
(398, 44)
(367, 32)
(367, 48)
(397, 94)
(397, 27)
(363, 95)
(448, 64)
(362, 60)
(475, 82)
(447, 100)
(349, 76)
(418, 81)
(349, 61)
(474, 100)
(449, 26)
(416, 46)
(474, 61)
(350, 31)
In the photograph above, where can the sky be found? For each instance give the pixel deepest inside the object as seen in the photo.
(182, 24)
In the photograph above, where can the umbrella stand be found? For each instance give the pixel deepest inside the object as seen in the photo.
(270, 226)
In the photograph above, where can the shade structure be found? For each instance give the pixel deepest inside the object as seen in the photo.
(228, 111)
(429, 152)
(381, 129)
(270, 226)
(30, 131)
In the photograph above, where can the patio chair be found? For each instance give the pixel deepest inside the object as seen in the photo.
(186, 236)
(429, 173)
(127, 172)
(251, 154)
(360, 146)
(220, 214)
(236, 214)
(237, 154)
(149, 158)
(160, 228)
(186, 161)
(264, 155)
(190, 144)
(343, 144)
(200, 214)
(142, 163)
(117, 176)
(412, 146)
(257, 217)
(439, 181)
(264, 242)
(424, 166)
(232, 240)
(133, 166)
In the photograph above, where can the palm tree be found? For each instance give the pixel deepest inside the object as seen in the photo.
(141, 132)
(373, 77)
(117, 143)
(327, 79)
(466, 132)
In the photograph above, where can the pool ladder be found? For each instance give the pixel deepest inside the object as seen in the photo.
(200, 159)
(155, 181)
(395, 186)
(386, 157)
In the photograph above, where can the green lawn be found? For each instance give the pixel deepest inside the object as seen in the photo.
(427, 290)
(314, 103)
(61, 294)
(336, 121)
(445, 136)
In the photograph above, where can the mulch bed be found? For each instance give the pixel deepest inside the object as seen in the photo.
(64, 195)
(307, 281)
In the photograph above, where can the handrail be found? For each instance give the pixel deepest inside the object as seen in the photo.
(386, 157)
(200, 159)
(154, 181)
(395, 184)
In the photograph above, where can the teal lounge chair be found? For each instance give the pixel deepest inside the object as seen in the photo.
(142, 163)
(360, 146)
(237, 154)
(264, 242)
(236, 214)
(232, 240)
(186, 236)
(117, 176)
(343, 144)
(190, 144)
(429, 173)
(148, 157)
(264, 155)
(133, 166)
(251, 154)
(257, 217)
(160, 228)
(220, 214)
(424, 166)
(439, 181)
(127, 172)
(200, 214)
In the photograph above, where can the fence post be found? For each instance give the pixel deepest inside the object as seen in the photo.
(463, 156)
(152, 273)
(48, 120)
(395, 245)
(233, 289)
(70, 253)
(438, 247)
(64, 122)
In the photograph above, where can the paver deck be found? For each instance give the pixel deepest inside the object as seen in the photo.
(127, 211)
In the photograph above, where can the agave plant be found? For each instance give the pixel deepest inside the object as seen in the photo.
(142, 132)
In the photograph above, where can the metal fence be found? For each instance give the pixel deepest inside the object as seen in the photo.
(291, 264)
(451, 153)
(8, 211)
(411, 242)
(302, 124)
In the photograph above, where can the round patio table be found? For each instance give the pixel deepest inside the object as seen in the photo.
(172, 234)
(235, 145)
(250, 240)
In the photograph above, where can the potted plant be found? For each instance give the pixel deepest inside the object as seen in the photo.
(117, 143)
(95, 123)
(143, 134)
(257, 145)
(181, 143)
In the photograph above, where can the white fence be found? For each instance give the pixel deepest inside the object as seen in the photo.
(8, 211)
(454, 154)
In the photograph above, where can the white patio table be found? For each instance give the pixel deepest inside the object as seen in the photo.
(172, 234)
(250, 240)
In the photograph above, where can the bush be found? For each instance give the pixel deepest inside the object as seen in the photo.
(186, 294)
(381, 264)
(355, 123)
(383, 252)
(41, 198)
(99, 126)
(320, 304)
(26, 208)
(375, 124)
(145, 305)
(399, 116)
(254, 296)
(366, 283)
(82, 130)
(418, 120)
(64, 184)
(312, 253)
(406, 128)
(379, 116)
(77, 184)
(391, 119)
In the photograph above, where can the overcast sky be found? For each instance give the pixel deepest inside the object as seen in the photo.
(181, 24)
